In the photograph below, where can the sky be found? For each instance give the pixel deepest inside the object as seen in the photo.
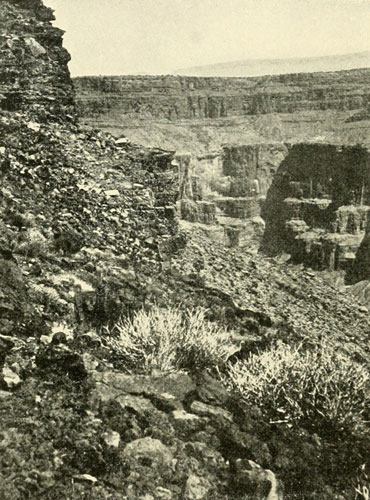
(116, 37)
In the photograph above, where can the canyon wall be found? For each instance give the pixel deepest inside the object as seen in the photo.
(178, 97)
(318, 205)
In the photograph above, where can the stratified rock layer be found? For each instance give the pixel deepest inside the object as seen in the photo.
(178, 97)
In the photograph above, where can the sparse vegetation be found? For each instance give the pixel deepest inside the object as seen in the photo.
(321, 388)
(168, 339)
(33, 244)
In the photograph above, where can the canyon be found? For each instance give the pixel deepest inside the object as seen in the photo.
(283, 156)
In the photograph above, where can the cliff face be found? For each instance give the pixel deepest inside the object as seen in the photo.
(176, 97)
(66, 186)
(318, 204)
(34, 75)
(251, 167)
(314, 199)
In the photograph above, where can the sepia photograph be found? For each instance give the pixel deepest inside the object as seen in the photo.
(184, 249)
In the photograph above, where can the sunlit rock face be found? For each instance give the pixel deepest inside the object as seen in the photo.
(34, 74)
(318, 205)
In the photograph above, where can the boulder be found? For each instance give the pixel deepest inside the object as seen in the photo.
(211, 391)
(196, 488)
(186, 424)
(112, 439)
(251, 478)
(35, 47)
(148, 451)
(9, 377)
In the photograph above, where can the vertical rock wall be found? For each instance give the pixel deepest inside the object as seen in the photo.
(318, 204)
(34, 75)
(251, 168)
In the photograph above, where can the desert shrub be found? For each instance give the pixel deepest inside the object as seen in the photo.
(47, 300)
(33, 244)
(168, 339)
(321, 387)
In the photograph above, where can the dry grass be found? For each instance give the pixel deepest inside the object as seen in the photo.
(322, 387)
(168, 339)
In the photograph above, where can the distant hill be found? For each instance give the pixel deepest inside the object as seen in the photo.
(258, 67)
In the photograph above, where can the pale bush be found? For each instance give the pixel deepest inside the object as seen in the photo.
(48, 297)
(33, 244)
(168, 339)
(320, 387)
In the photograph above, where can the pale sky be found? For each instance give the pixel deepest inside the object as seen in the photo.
(113, 37)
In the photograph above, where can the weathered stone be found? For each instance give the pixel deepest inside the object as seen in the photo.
(251, 478)
(196, 488)
(167, 402)
(35, 47)
(5, 395)
(211, 391)
(62, 359)
(177, 385)
(187, 424)
(163, 493)
(112, 192)
(85, 477)
(138, 404)
(9, 377)
(151, 451)
(205, 410)
(112, 439)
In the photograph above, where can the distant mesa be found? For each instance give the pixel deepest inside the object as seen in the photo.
(259, 67)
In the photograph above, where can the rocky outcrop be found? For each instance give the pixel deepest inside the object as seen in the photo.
(229, 189)
(34, 73)
(251, 168)
(178, 97)
(318, 204)
(361, 266)
(70, 193)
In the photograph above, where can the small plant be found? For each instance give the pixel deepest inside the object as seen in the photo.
(168, 339)
(322, 387)
(33, 244)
